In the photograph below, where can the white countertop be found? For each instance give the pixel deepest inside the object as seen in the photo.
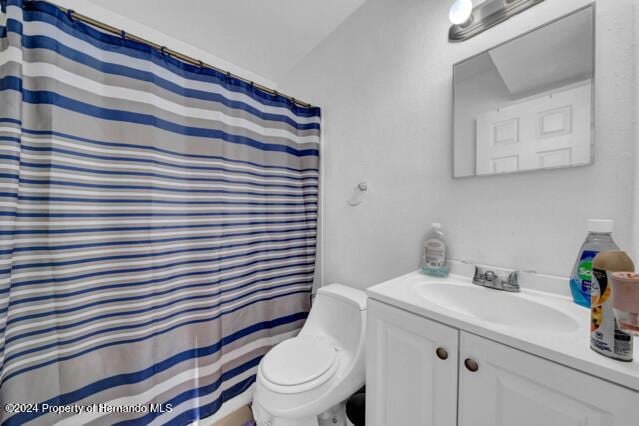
(570, 347)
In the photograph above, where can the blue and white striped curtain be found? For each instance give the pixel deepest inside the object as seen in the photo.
(157, 226)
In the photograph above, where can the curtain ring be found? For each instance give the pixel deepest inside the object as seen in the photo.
(163, 50)
(70, 15)
(200, 63)
(123, 34)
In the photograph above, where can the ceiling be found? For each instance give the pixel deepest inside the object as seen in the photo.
(265, 37)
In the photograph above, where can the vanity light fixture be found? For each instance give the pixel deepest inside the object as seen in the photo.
(460, 11)
(483, 16)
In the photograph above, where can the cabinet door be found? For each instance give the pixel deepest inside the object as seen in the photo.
(514, 388)
(407, 383)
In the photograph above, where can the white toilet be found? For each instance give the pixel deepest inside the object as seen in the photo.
(305, 381)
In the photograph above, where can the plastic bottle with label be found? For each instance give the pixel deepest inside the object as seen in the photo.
(605, 335)
(599, 239)
(435, 253)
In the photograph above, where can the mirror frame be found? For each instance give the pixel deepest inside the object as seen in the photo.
(592, 7)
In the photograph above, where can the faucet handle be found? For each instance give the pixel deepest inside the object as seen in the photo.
(512, 281)
(490, 275)
(491, 279)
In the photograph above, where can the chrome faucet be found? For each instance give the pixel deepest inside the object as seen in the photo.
(490, 279)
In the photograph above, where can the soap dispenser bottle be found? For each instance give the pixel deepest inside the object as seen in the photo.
(435, 252)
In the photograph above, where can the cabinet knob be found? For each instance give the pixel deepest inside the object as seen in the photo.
(442, 353)
(471, 365)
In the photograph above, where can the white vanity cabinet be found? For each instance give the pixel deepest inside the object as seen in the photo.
(408, 381)
(511, 387)
(478, 383)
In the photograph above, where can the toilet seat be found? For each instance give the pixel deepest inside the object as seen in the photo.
(299, 363)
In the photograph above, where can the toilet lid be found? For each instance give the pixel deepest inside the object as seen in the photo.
(298, 360)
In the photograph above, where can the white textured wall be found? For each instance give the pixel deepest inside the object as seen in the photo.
(384, 82)
(636, 138)
(155, 34)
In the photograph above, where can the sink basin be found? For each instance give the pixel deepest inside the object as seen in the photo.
(499, 307)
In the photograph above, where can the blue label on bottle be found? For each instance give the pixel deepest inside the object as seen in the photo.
(581, 281)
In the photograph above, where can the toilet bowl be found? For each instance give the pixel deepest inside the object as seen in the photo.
(305, 380)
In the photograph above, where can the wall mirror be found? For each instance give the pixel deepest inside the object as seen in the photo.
(527, 104)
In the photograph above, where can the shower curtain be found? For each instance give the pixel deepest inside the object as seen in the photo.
(157, 226)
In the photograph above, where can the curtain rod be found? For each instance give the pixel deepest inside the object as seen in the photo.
(185, 58)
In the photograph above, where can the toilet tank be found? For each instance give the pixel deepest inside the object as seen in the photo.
(338, 313)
